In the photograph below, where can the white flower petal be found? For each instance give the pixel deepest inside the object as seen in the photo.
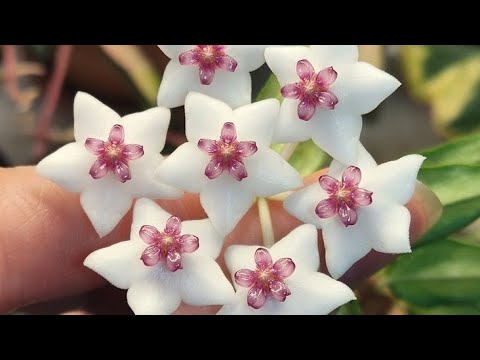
(248, 57)
(210, 241)
(337, 134)
(289, 128)
(344, 246)
(119, 264)
(239, 305)
(282, 60)
(235, 88)
(302, 203)
(364, 161)
(147, 128)
(68, 167)
(312, 294)
(174, 51)
(184, 168)
(147, 212)
(270, 174)
(93, 119)
(239, 257)
(331, 55)
(155, 294)
(177, 81)
(144, 182)
(225, 201)
(205, 117)
(203, 282)
(361, 87)
(255, 122)
(388, 226)
(301, 245)
(394, 180)
(105, 202)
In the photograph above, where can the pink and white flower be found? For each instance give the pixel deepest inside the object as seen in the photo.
(283, 280)
(326, 90)
(220, 71)
(359, 207)
(228, 159)
(112, 160)
(166, 261)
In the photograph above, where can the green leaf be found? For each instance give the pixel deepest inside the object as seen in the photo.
(455, 217)
(351, 308)
(271, 89)
(452, 183)
(441, 57)
(447, 78)
(445, 310)
(461, 151)
(452, 171)
(444, 273)
(469, 236)
(309, 158)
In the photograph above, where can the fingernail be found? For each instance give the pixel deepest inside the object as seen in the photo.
(428, 206)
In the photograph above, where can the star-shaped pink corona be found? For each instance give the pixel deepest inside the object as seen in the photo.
(227, 153)
(267, 280)
(167, 246)
(344, 196)
(313, 89)
(208, 58)
(113, 155)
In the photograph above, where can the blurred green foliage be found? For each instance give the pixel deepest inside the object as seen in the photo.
(442, 274)
(447, 78)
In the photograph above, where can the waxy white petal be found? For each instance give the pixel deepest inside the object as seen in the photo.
(68, 167)
(119, 264)
(93, 119)
(105, 202)
(203, 282)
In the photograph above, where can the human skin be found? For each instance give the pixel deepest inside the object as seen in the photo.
(45, 237)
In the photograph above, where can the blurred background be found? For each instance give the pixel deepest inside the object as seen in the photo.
(436, 112)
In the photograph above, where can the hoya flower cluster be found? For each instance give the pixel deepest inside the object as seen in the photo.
(229, 162)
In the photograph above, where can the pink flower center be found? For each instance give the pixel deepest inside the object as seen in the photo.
(344, 196)
(208, 58)
(167, 246)
(267, 280)
(113, 155)
(313, 90)
(227, 153)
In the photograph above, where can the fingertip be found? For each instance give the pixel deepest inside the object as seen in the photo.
(425, 208)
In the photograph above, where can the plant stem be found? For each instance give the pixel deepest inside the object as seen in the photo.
(281, 196)
(52, 95)
(265, 223)
(9, 65)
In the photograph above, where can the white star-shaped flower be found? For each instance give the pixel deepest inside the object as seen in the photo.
(228, 159)
(359, 207)
(166, 261)
(221, 71)
(326, 91)
(283, 280)
(112, 160)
